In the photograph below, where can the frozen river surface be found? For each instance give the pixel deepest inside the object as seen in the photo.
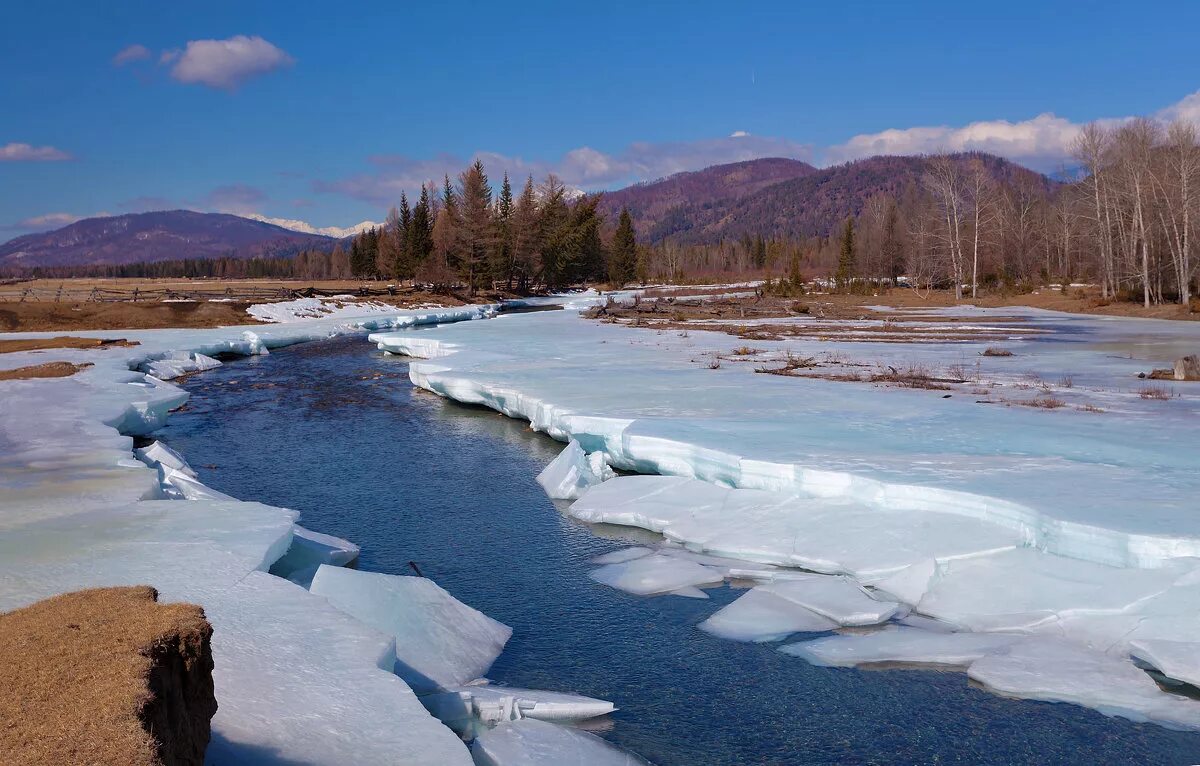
(335, 430)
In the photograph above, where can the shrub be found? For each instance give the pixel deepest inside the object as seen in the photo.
(994, 351)
(1154, 392)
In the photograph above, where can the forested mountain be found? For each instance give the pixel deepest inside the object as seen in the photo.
(669, 204)
(158, 236)
(778, 198)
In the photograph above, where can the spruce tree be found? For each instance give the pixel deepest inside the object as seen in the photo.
(404, 263)
(622, 260)
(476, 230)
(502, 256)
(421, 234)
(845, 267)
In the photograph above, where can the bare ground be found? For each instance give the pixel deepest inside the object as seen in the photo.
(105, 676)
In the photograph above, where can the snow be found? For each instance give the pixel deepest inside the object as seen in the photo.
(1067, 525)
(316, 308)
(440, 641)
(537, 743)
(655, 574)
(297, 681)
(572, 472)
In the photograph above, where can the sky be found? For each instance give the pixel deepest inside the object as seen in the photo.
(322, 113)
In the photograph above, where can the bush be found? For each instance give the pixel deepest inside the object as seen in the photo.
(993, 351)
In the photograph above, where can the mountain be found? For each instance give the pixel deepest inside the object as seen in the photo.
(305, 227)
(663, 205)
(729, 201)
(159, 236)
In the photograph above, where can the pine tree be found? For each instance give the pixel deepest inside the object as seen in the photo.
(845, 268)
(622, 260)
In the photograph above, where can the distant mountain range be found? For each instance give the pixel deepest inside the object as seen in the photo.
(159, 236)
(774, 197)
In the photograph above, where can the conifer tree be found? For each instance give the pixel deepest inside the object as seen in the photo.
(421, 234)
(622, 259)
(404, 260)
(525, 236)
(476, 229)
(845, 268)
(502, 255)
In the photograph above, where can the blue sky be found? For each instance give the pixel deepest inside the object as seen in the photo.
(323, 112)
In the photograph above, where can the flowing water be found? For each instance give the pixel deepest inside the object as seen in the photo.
(335, 430)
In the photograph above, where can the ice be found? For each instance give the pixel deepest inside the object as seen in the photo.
(762, 615)
(824, 535)
(902, 644)
(309, 550)
(1020, 589)
(440, 641)
(654, 574)
(157, 453)
(462, 707)
(572, 472)
(530, 742)
(1059, 671)
(622, 555)
(1177, 660)
(297, 681)
(1064, 524)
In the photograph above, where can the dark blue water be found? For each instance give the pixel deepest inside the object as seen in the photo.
(335, 430)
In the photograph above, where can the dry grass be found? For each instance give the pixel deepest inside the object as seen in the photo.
(62, 341)
(994, 351)
(47, 370)
(1155, 393)
(77, 681)
(1042, 402)
(745, 351)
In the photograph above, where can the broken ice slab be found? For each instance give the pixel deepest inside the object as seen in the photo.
(657, 573)
(572, 472)
(1177, 660)
(1060, 671)
(309, 550)
(835, 597)
(530, 742)
(902, 644)
(1022, 588)
(463, 707)
(157, 453)
(440, 641)
(761, 615)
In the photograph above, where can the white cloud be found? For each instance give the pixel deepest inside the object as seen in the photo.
(131, 53)
(44, 222)
(237, 199)
(307, 228)
(225, 63)
(1041, 141)
(581, 168)
(15, 152)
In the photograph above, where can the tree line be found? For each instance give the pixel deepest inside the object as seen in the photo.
(465, 235)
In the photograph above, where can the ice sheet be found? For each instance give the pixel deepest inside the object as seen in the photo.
(462, 707)
(440, 641)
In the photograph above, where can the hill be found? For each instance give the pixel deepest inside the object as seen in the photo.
(157, 236)
(774, 199)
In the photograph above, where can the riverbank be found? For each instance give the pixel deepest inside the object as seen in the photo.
(78, 510)
(829, 477)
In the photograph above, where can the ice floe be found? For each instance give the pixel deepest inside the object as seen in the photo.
(461, 707)
(654, 574)
(901, 644)
(440, 641)
(572, 472)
